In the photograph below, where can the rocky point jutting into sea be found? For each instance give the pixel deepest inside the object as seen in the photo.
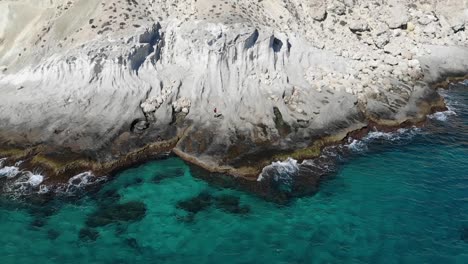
(230, 86)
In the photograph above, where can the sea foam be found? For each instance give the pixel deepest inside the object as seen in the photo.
(399, 136)
(442, 116)
(9, 172)
(35, 180)
(280, 170)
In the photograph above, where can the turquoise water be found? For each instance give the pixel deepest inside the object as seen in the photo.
(400, 198)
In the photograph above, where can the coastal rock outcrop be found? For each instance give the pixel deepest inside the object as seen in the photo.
(228, 85)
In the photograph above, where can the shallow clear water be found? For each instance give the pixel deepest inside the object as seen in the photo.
(401, 198)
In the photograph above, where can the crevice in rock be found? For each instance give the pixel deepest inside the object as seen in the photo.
(277, 45)
(139, 55)
(139, 125)
(250, 41)
(461, 29)
(151, 42)
(283, 128)
(158, 50)
(151, 36)
(98, 66)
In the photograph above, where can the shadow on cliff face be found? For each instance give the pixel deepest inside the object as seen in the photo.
(283, 128)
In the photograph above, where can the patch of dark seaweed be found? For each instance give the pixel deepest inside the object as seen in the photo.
(117, 213)
(196, 204)
(168, 174)
(88, 235)
(231, 204)
(204, 200)
(53, 234)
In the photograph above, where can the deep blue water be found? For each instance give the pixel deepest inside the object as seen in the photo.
(400, 198)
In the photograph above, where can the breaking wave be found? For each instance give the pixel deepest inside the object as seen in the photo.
(442, 116)
(293, 178)
(451, 104)
(9, 171)
(280, 170)
(17, 183)
(20, 183)
(401, 136)
(80, 182)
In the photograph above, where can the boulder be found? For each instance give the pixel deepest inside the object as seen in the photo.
(395, 14)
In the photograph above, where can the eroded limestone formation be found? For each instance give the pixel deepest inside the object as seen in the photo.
(228, 84)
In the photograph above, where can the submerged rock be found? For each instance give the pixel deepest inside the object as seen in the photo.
(53, 234)
(43, 212)
(38, 223)
(203, 201)
(132, 243)
(189, 218)
(88, 234)
(139, 180)
(231, 204)
(168, 174)
(134, 181)
(120, 229)
(464, 234)
(116, 213)
(111, 196)
(196, 204)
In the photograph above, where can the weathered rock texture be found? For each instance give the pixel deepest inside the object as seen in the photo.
(235, 84)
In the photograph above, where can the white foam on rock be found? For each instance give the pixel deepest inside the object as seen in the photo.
(401, 135)
(451, 108)
(282, 170)
(43, 189)
(80, 181)
(23, 183)
(9, 171)
(115, 71)
(357, 145)
(29, 179)
(35, 180)
(442, 116)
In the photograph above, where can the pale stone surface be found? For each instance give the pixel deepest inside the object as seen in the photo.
(78, 73)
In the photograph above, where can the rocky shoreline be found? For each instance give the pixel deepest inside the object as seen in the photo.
(246, 177)
(230, 87)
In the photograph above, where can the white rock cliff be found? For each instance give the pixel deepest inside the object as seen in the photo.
(228, 78)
